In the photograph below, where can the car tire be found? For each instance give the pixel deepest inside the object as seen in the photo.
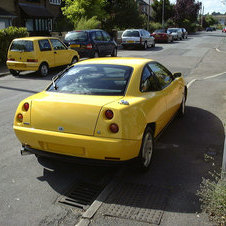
(124, 47)
(181, 111)
(146, 150)
(96, 54)
(114, 52)
(14, 72)
(145, 46)
(181, 38)
(43, 69)
(153, 45)
(74, 60)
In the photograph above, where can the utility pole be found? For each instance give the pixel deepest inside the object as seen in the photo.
(148, 15)
(163, 11)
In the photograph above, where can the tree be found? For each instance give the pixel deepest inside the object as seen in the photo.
(157, 10)
(122, 14)
(186, 11)
(75, 10)
(209, 20)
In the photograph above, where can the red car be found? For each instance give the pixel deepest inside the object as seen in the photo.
(161, 35)
(224, 30)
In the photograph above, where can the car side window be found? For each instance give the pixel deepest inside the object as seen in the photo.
(106, 36)
(57, 45)
(44, 45)
(163, 75)
(148, 81)
(98, 36)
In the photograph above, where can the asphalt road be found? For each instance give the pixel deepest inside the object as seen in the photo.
(30, 188)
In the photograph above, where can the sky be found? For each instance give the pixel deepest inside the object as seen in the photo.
(211, 6)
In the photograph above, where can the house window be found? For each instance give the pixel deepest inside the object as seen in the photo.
(29, 25)
(55, 2)
(43, 24)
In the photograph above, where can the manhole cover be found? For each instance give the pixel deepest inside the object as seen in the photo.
(81, 195)
(144, 203)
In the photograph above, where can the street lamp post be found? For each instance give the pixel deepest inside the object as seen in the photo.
(163, 11)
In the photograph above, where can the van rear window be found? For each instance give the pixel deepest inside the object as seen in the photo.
(22, 45)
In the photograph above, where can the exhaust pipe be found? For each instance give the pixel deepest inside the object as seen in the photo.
(25, 152)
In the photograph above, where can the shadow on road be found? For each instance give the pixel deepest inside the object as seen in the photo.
(183, 156)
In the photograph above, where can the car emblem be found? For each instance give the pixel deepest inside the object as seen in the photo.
(61, 128)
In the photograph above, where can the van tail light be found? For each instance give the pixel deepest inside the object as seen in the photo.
(11, 59)
(32, 60)
(20, 117)
(114, 128)
(109, 114)
(89, 46)
(26, 106)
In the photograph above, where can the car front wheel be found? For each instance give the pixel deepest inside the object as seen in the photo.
(145, 46)
(181, 111)
(146, 150)
(114, 53)
(74, 60)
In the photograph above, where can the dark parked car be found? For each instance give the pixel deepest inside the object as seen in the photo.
(161, 35)
(209, 29)
(91, 43)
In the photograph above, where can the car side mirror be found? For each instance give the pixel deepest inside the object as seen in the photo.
(177, 75)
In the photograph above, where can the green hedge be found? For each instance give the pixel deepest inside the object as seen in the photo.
(6, 36)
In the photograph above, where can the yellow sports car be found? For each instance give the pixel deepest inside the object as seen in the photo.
(109, 109)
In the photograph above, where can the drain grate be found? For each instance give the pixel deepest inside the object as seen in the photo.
(145, 203)
(81, 195)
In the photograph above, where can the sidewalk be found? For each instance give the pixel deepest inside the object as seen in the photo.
(3, 70)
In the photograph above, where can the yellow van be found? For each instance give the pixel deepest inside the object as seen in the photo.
(38, 54)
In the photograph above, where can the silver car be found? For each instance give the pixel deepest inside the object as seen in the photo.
(137, 38)
(176, 33)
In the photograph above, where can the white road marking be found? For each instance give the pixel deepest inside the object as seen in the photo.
(220, 51)
(208, 77)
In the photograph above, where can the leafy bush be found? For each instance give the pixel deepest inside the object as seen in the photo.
(212, 195)
(154, 26)
(6, 37)
(84, 23)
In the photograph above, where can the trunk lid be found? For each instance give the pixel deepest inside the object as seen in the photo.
(68, 113)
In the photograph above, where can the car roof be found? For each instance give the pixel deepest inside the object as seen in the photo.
(35, 38)
(126, 61)
(85, 30)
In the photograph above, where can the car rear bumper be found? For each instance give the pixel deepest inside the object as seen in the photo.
(22, 66)
(83, 53)
(81, 146)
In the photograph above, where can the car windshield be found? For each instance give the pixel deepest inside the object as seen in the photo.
(76, 36)
(93, 79)
(172, 30)
(160, 31)
(131, 34)
(22, 45)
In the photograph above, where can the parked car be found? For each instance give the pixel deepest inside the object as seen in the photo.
(91, 43)
(224, 30)
(38, 54)
(161, 35)
(91, 109)
(175, 32)
(184, 33)
(137, 38)
(209, 29)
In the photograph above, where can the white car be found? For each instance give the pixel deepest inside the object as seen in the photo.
(137, 38)
(176, 33)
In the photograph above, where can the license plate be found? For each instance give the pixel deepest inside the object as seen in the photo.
(157, 36)
(130, 41)
(74, 46)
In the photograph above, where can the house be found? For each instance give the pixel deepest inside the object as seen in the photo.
(144, 7)
(37, 16)
(221, 18)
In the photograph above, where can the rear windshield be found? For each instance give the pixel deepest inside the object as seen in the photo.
(93, 79)
(80, 36)
(172, 30)
(22, 45)
(131, 34)
(160, 31)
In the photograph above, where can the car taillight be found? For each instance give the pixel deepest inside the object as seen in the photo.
(11, 59)
(26, 106)
(89, 46)
(109, 114)
(114, 128)
(32, 60)
(20, 117)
